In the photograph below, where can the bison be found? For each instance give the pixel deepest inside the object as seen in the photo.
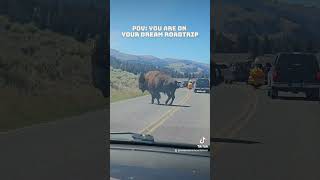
(156, 82)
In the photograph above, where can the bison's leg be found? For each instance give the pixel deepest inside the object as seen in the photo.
(152, 98)
(169, 97)
(172, 98)
(158, 97)
(173, 92)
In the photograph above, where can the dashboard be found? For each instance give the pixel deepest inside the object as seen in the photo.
(152, 162)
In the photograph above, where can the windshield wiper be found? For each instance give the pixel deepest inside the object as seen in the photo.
(129, 136)
(236, 141)
(144, 139)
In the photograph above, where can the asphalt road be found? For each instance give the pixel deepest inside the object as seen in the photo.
(186, 121)
(73, 148)
(288, 129)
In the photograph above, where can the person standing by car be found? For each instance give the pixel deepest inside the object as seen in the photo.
(267, 69)
(257, 76)
(190, 84)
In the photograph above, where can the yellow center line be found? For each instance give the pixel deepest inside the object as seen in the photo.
(249, 116)
(245, 115)
(233, 121)
(243, 121)
(156, 124)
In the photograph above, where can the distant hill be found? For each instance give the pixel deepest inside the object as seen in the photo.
(286, 26)
(78, 18)
(303, 2)
(179, 67)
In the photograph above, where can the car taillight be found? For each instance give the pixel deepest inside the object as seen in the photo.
(275, 76)
(318, 76)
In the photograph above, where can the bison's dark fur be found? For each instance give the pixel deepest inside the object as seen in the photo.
(156, 82)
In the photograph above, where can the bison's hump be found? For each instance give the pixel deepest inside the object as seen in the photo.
(157, 79)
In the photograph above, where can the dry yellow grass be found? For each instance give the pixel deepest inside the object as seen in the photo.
(124, 85)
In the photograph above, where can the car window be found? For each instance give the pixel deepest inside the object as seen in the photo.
(298, 61)
(276, 59)
(202, 82)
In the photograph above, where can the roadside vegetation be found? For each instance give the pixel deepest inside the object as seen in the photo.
(44, 76)
(124, 85)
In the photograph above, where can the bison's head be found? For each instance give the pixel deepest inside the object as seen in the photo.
(177, 84)
(142, 82)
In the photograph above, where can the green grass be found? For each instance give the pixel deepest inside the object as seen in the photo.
(44, 76)
(124, 85)
(123, 95)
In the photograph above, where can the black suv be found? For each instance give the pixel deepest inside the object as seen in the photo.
(295, 72)
(202, 85)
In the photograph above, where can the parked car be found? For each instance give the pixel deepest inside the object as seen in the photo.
(229, 74)
(202, 85)
(237, 72)
(295, 72)
(242, 71)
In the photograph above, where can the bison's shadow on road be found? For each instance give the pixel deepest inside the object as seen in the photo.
(174, 105)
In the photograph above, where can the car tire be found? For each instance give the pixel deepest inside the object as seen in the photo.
(316, 94)
(308, 96)
(313, 94)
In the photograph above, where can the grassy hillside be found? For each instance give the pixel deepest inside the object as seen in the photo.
(43, 76)
(264, 17)
(265, 26)
(123, 85)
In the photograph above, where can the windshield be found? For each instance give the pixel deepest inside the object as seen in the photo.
(301, 62)
(154, 72)
(203, 83)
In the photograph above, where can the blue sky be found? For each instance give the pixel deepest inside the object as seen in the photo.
(193, 13)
